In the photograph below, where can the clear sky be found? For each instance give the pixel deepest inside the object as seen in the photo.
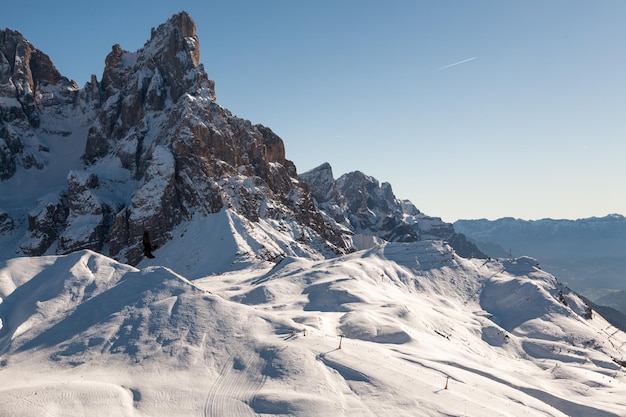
(469, 109)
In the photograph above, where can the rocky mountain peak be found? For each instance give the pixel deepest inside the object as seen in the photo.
(166, 67)
(361, 204)
(33, 94)
(151, 79)
(159, 151)
(24, 65)
(181, 22)
(178, 34)
(363, 192)
(321, 183)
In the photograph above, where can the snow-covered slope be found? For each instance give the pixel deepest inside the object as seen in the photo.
(84, 335)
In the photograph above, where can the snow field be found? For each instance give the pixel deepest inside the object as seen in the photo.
(85, 335)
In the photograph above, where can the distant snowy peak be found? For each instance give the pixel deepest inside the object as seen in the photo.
(363, 205)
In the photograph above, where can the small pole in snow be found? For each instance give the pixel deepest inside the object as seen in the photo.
(447, 378)
(340, 340)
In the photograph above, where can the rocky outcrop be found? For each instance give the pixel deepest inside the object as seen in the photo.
(45, 223)
(33, 91)
(360, 203)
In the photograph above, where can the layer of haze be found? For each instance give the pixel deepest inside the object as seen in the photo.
(469, 109)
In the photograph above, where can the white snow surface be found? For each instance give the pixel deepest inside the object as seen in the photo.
(422, 331)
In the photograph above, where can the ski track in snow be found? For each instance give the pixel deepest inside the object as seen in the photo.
(239, 381)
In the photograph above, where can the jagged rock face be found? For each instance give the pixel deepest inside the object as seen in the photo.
(32, 90)
(149, 80)
(359, 202)
(40, 112)
(184, 152)
(159, 150)
(363, 205)
(45, 223)
(372, 206)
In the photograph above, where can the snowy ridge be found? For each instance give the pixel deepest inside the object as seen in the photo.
(504, 337)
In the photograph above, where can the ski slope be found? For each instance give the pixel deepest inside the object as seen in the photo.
(423, 332)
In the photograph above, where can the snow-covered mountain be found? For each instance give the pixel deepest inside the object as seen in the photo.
(271, 293)
(156, 151)
(589, 254)
(148, 149)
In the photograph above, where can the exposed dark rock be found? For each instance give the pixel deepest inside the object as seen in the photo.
(34, 91)
(6, 223)
(45, 223)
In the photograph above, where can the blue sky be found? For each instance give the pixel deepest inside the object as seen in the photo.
(529, 123)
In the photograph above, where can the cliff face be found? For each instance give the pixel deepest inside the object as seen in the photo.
(157, 147)
(34, 96)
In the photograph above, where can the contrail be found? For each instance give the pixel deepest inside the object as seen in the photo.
(456, 63)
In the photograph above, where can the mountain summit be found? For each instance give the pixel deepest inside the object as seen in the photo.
(148, 149)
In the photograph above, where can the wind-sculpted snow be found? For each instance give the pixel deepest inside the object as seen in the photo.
(402, 329)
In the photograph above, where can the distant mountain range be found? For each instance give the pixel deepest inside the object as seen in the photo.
(588, 254)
